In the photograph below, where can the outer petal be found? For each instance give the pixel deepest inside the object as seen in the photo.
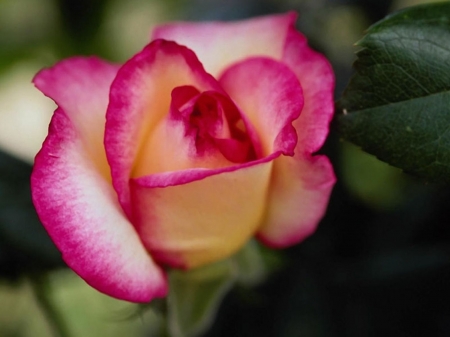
(74, 200)
(140, 99)
(193, 217)
(77, 207)
(317, 79)
(220, 44)
(80, 86)
(301, 185)
(298, 198)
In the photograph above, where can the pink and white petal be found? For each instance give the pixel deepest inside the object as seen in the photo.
(220, 44)
(269, 94)
(140, 99)
(301, 185)
(193, 217)
(317, 80)
(79, 210)
(80, 86)
(298, 198)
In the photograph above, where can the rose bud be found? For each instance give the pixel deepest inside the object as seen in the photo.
(178, 157)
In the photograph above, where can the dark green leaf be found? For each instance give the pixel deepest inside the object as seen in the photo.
(397, 105)
(25, 246)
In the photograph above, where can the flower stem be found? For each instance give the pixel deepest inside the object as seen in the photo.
(41, 289)
(163, 310)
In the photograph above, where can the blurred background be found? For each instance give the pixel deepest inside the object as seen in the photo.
(379, 264)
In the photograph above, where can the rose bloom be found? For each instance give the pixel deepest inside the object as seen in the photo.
(178, 157)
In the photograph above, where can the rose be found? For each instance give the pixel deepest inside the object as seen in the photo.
(208, 141)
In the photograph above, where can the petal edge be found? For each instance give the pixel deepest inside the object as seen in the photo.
(78, 209)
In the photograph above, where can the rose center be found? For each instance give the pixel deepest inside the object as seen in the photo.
(212, 123)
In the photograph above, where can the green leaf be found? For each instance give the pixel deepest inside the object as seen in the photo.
(195, 297)
(378, 185)
(249, 264)
(397, 105)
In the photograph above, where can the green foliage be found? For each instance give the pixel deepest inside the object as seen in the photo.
(196, 295)
(397, 105)
(25, 247)
(376, 184)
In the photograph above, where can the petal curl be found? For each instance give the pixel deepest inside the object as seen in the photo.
(269, 94)
(317, 80)
(301, 185)
(140, 99)
(80, 86)
(78, 208)
(220, 44)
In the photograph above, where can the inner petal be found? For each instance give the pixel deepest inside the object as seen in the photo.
(270, 95)
(201, 130)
